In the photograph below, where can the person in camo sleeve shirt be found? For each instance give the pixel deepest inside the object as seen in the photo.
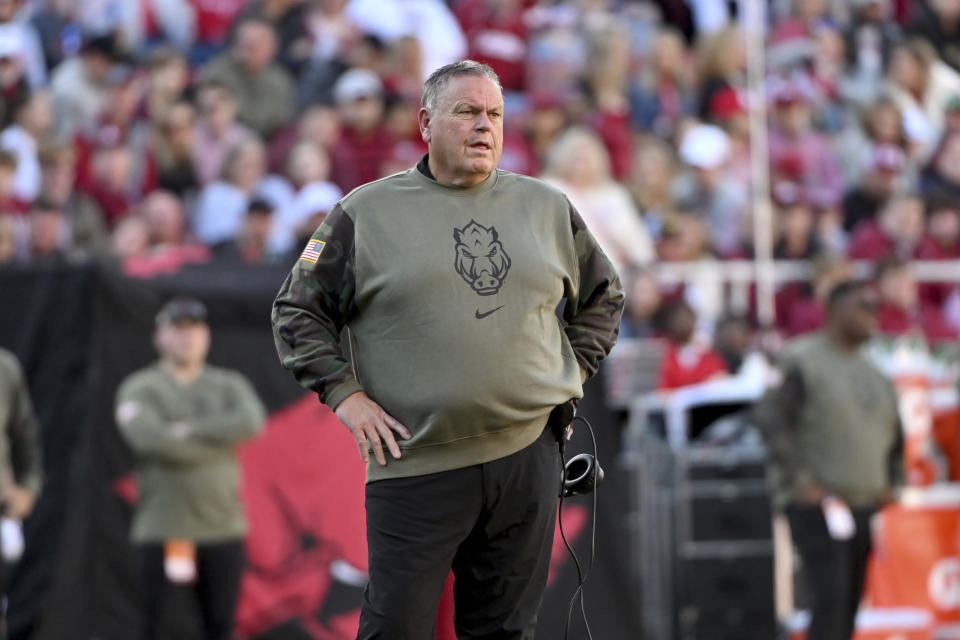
(449, 276)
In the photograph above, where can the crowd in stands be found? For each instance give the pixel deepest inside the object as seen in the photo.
(169, 132)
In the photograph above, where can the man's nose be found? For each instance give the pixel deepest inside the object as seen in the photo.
(482, 122)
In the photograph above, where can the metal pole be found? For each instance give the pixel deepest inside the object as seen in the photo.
(754, 25)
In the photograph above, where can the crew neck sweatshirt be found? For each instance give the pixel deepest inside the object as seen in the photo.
(450, 295)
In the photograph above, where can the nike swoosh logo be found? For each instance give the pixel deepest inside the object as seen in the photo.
(480, 316)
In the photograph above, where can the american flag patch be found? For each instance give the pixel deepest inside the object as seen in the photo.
(313, 250)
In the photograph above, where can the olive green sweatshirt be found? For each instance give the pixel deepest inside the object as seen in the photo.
(188, 484)
(450, 296)
(20, 458)
(832, 422)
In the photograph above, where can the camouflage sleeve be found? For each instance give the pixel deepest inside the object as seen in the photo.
(25, 456)
(314, 305)
(776, 413)
(592, 315)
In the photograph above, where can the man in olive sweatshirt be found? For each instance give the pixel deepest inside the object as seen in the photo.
(449, 276)
(21, 470)
(183, 419)
(834, 435)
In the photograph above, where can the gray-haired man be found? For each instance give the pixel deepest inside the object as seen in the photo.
(448, 276)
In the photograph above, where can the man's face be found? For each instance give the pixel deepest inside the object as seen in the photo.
(255, 46)
(183, 343)
(857, 315)
(465, 130)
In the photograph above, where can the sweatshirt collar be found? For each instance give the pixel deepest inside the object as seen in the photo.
(423, 171)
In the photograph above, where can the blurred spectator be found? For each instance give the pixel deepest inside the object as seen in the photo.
(722, 63)
(901, 309)
(665, 92)
(643, 304)
(79, 85)
(942, 241)
(579, 166)
(879, 125)
(943, 172)
(164, 215)
(169, 77)
(8, 239)
(606, 81)
(319, 124)
(733, 341)
(705, 189)
(938, 22)
(309, 169)
(213, 20)
(85, 219)
(19, 38)
(496, 34)
(48, 236)
(869, 40)
(897, 231)
(364, 143)
(545, 121)
(222, 204)
(795, 225)
(921, 85)
(263, 90)
(112, 182)
(250, 244)
(879, 183)
(430, 21)
(797, 151)
(167, 247)
(14, 88)
(217, 130)
(654, 170)
(173, 145)
(9, 202)
(32, 122)
(288, 19)
(801, 309)
(130, 238)
(688, 360)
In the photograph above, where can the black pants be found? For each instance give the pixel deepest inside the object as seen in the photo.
(219, 567)
(835, 569)
(492, 523)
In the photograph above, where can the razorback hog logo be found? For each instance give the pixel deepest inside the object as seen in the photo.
(481, 260)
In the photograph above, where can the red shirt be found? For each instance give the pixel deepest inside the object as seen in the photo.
(689, 364)
(895, 321)
(614, 128)
(870, 242)
(214, 18)
(498, 38)
(356, 160)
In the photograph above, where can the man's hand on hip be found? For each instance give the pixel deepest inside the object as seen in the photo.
(369, 423)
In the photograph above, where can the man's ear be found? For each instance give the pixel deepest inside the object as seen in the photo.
(424, 119)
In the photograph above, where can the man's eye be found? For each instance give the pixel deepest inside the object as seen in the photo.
(496, 115)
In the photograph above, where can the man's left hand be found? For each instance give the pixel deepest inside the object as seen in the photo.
(19, 502)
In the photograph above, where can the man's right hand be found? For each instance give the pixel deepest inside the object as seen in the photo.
(369, 423)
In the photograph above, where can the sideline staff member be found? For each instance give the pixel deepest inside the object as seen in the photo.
(834, 436)
(448, 276)
(20, 466)
(183, 419)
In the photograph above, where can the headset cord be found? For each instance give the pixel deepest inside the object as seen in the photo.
(581, 575)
